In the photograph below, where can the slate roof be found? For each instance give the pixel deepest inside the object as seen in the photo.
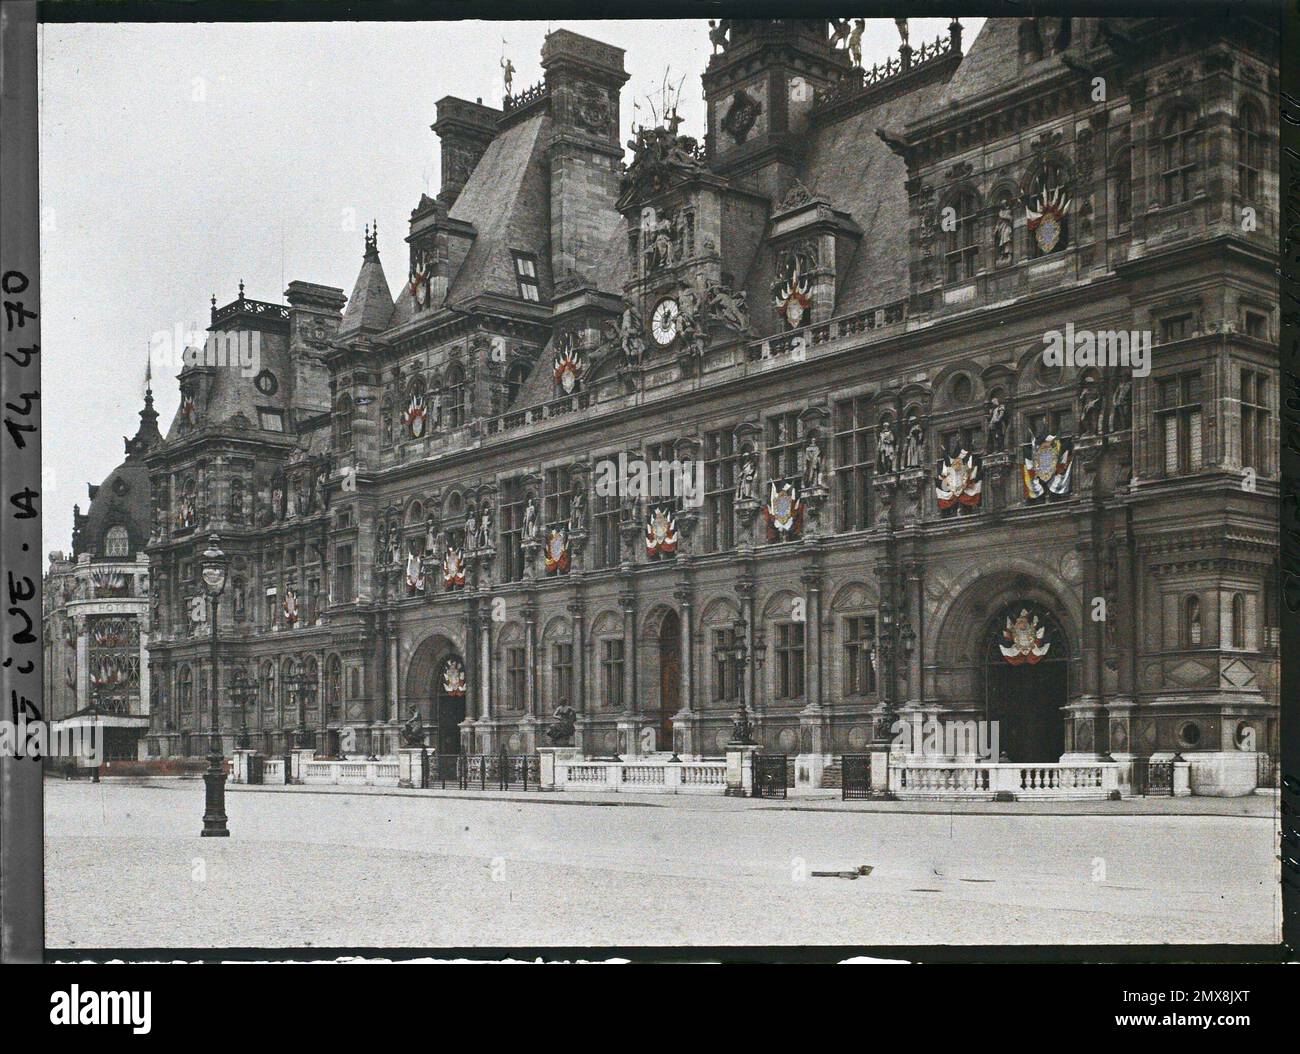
(508, 200)
(851, 167)
(370, 307)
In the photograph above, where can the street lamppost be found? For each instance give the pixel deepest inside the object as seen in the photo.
(241, 690)
(303, 684)
(213, 573)
(738, 653)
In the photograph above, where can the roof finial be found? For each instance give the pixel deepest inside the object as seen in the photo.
(241, 289)
(372, 238)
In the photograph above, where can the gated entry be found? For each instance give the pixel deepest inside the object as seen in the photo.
(1154, 778)
(855, 776)
(771, 775)
(256, 769)
(483, 771)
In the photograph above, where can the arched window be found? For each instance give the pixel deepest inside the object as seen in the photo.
(343, 423)
(1177, 156)
(1250, 150)
(117, 541)
(1123, 181)
(454, 396)
(961, 251)
(311, 695)
(1238, 620)
(1192, 622)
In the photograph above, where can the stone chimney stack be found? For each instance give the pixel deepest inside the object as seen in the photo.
(583, 78)
(464, 129)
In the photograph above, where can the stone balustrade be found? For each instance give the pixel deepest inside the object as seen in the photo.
(647, 776)
(1058, 781)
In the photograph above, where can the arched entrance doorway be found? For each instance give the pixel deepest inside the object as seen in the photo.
(670, 677)
(1026, 682)
(448, 705)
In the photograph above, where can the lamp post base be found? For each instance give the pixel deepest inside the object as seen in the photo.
(214, 815)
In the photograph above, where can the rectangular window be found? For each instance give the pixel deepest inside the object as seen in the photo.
(611, 672)
(512, 524)
(1177, 328)
(608, 515)
(1254, 421)
(343, 575)
(561, 673)
(853, 453)
(270, 420)
(965, 437)
(789, 660)
(859, 655)
(1256, 325)
(516, 677)
(783, 454)
(526, 276)
(1178, 413)
(663, 484)
(1053, 422)
(719, 490)
(558, 498)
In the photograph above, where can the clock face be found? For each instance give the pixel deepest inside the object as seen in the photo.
(663, 323)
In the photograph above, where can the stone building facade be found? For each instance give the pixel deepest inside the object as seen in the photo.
(832, 315)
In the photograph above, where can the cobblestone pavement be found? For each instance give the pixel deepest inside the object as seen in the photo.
(125, 867)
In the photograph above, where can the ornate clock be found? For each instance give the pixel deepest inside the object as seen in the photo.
(665, 321)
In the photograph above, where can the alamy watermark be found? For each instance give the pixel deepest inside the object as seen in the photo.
(638, 477)
(178, 347)
(1082, 348)
(39, 739)
(930, 737)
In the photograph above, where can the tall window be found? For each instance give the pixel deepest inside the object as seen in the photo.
(513, 503)
(1238, 620)
(789, 660)
(1176, 327)
(1254, 421)
(719, 490)
(526, 276)
(1192, 622)
(783, 449)
(1178, 156)
(343, 592)
(117, 542)
(1250, 150)
(516, 676)
(859, 655)
(661, 459)
(1179, 416)
(562, 672)
(334, 687)
(961, 254)
(558, 497)
(267, 685)
(607, 516)
(611, 672)
(726, 685)
(454, 396)
(1124, 188)
(853, 452)
(185, 689)
(343, 422)
(1051, 422)
(963, 437)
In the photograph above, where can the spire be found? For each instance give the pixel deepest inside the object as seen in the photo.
(147, 435)
(371, 305)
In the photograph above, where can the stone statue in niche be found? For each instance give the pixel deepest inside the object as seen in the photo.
(914, 445)
(812, 463)
(1003, 232)
(578, 511)
(631, 334)
(747, 479)
(529, 529)
(718, 35)
(997, 427)
(885, 453)
(1089, 410)
(471, 528)
(1121, 405)
(728, 307)
(485, 527)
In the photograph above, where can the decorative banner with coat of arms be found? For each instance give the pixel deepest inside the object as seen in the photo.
(958, 481)
(568, 369)
(416, 418)
(189, 411)
(290, 608)
(1023, 639)
(783, 512)
(453, 568)
(1046, 218)
(420, 272)
(557, 552)
(1048, 468)
(792, 292)
(414, 573)
(661, 532)
(453, 677)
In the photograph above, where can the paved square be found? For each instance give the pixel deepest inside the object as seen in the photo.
(125, 867)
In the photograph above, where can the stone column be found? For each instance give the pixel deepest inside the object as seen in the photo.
(579, 700)
(83, 663)
(627, 601)
(393, 665)
(531, 694)
(683, 741)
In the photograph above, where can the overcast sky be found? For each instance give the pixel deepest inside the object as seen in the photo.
(178, 159)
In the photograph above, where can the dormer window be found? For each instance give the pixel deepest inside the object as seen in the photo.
(117, 542)
(270, 420)
(526, 276)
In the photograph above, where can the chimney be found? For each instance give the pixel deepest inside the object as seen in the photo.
(464, 129)
(583, 78)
